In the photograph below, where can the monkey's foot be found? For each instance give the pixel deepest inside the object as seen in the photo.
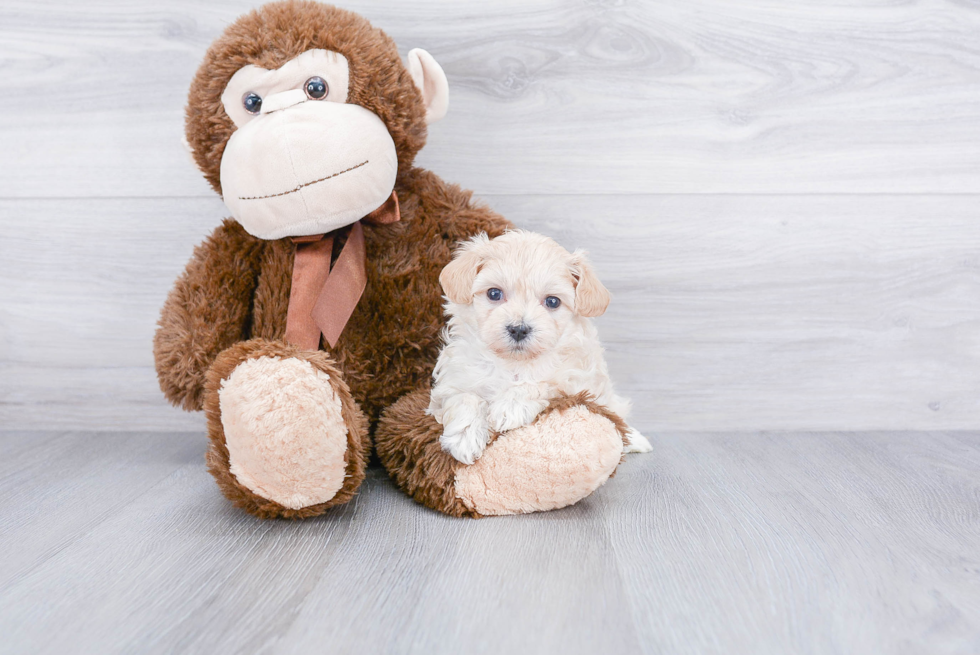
(286, 437)
(568, 452)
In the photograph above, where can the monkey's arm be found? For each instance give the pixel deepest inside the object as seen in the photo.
(208, 310)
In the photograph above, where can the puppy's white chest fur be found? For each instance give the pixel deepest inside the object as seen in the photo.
(516, 394)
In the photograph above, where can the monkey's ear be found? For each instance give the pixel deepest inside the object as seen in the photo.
(431, 81)
(458, 276)
(591, 297)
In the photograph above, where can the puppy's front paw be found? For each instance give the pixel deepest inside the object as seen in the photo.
(637, 442)
(511, 413)
(465, 431)
(466, 445)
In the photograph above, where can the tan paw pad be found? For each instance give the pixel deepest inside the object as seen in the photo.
(552, 463)
(284, 430)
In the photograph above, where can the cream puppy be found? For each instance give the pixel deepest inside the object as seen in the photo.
(518, 336)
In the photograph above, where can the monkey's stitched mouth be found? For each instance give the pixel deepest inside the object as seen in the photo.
(301, 186)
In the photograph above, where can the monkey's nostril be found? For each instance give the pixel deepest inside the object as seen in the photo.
(519, 332)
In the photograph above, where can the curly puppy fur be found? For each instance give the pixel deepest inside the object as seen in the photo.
(358, 442)
(407, 443)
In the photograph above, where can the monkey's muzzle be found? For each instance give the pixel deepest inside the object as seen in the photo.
(304, 167)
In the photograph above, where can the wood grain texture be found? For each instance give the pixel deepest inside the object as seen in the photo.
(790, 543)
(550, 96)
(712, 543)
(729, 312)
(55, 487)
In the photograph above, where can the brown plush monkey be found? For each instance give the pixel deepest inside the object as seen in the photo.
(306, 121)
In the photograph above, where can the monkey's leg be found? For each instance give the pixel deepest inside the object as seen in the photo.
(287, 439)
(568, 452)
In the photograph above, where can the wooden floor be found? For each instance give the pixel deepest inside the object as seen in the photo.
(712, 543)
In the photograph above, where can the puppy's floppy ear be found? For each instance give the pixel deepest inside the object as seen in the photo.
(458, 276)
(591, 298)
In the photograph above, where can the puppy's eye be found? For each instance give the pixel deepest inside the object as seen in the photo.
(495, 294)
(552, 302)
(252, 102)
(316, 88)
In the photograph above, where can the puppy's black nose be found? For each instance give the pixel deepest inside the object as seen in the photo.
(519, 332)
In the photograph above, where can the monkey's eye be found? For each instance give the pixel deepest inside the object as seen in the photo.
(316, 88)
(552, 302)
(252, 102)
(495, 294)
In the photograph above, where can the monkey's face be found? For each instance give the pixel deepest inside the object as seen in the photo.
(302, 160)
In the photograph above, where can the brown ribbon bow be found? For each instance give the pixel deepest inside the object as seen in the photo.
(322, 299)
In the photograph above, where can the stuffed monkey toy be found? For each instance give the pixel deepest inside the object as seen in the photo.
(312, 317)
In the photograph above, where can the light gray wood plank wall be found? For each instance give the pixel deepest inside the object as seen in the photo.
(550, 96)
(784, 198)
(780, 312)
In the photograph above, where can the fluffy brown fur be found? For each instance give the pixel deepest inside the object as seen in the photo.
(194, 324)
(407, 443)
(358, 442)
